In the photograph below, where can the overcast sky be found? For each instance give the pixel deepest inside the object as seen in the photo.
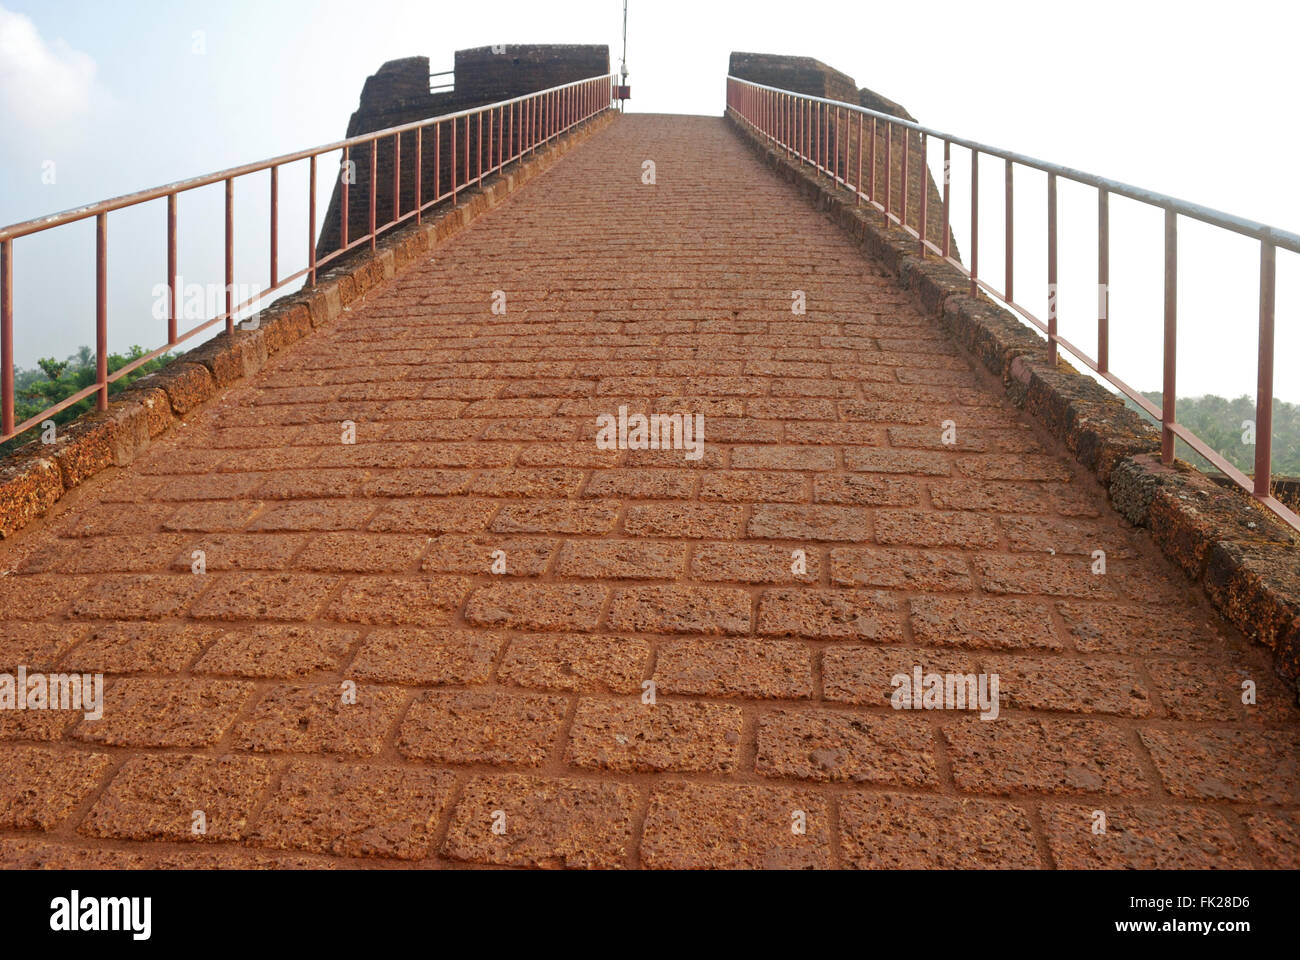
(1194, 100)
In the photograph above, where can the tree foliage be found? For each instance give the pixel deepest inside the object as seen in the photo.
(53, 380)
(1227, 427)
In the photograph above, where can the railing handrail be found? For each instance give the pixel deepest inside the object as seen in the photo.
(525, 123)
(802, 124)
(74, 214)
(1219, 218)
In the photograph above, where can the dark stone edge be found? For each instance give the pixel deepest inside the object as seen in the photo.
(35, 476)
(1244, 558)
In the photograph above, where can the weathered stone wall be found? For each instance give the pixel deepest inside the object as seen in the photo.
(800, 74)
(398, 93)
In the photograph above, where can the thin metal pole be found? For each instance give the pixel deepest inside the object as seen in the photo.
(907, 173)
(453, 162)
(419, 175)
(1168, 413)
(1264, 394)
(230, 256)
(1103, 281)
(347, 175)
(374, 186)
(947, 195)
(7, 336)
(796, 114)
(889, 169)
(101, 309)
(1051, 270)
(974, 222)
(311, 218)
(275, 226)
(817, 137)
(1010, 231)
(839, 125)
(397, 175)
(871, 162)
(923, 186)
(787, 125)
(857, 191)
(173, 280)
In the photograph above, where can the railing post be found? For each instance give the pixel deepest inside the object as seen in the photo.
(374, 185)
(803, 112)
(230, 256)
(857, 189)
(974, 222)
(347, 175)
(871, 162)
(7, 336)
(907, 174)
(797, 109)
(101, 306)
(924, 187)
(839, 125)
(437, 161)
(453, 162)
(947, 196)
(419, 174)
(1264, 394)
(275, 226)
(787, 126)
(889, 170)
(397, 176)
(311, 218)
(173, 281)
(1051, 270)
(1010, 224)
(817, 136)
(826, 141)
(1168, 412)
(1103, 280)
(478, 148)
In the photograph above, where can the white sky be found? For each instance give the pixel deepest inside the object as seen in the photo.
(1194, 100)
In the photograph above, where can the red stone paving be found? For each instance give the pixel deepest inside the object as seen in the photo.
(350, 683)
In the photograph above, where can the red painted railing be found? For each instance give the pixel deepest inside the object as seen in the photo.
(514, 128)
(820, 132)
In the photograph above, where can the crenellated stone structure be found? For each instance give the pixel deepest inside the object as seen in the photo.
(398, 93)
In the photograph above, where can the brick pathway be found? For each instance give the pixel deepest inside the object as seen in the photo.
(514, 701)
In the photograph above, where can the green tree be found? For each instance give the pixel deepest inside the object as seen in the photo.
(1228, 427)
(55, 380)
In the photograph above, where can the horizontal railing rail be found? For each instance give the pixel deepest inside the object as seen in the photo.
(514, 128)
(821, 132)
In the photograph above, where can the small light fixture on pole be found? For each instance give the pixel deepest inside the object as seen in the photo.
(624, 91)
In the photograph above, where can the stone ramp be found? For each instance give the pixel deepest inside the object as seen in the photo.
(348, 681)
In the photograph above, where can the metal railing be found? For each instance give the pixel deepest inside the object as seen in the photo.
(445, 85)
(820, 132)
(515, 128)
